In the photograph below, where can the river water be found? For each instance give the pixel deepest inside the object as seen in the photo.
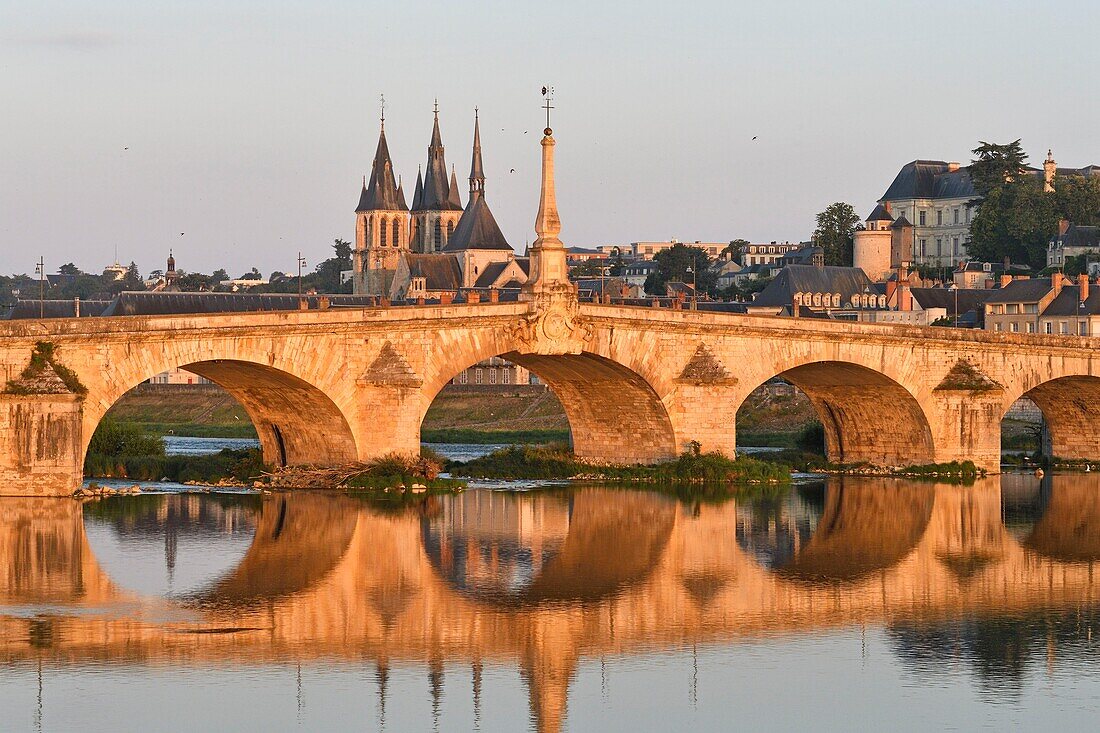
(854, 604)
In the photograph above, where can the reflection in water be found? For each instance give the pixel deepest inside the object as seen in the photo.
(996, 577)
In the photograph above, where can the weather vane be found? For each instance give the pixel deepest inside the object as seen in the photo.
(548, 94)
(382, 103)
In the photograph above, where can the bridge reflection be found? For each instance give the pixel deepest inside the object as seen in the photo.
(545, 579)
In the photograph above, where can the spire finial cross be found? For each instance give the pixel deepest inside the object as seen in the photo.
(435, 110)
(382, 104)
(548, 96)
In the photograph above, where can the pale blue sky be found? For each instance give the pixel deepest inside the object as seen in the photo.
(249, 125)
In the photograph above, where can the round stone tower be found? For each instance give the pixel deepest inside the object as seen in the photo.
(871, 251)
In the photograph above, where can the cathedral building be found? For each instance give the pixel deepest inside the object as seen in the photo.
(439, 248)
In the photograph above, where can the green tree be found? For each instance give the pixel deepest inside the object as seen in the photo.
(736, 249)
(219, 276)
(1016, 219)
(673, 264)
(835, 233)
(995, 165)
(617, 263)
(131, 281)
(69, 269)
(588, 268)
(1077, 199)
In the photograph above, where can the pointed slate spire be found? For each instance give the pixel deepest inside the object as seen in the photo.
(401, 196)
(477, 172)
(437, 190)
(453, 196)
(418, 192)
(380, 193)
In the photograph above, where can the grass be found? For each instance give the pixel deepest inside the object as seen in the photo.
(484, 437)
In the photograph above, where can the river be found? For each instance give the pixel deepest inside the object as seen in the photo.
(847, 604)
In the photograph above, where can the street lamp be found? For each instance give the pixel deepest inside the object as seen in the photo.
(955, 287)
(40, 270)
(694, 305)
(301, 264)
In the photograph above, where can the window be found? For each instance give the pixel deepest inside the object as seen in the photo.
(1062, 328)
(956, 216)
(477, 376)
(967, 214)
(939, 217)
(383, 230)
(1048, 327)
(922, 248)
(1012, 308)
(955, 244)
(996, 327)
(464, 377)
(922, 221)
(506, 376)
(1030, 327)
(395, 233)
(939, 247)
(1015, 327)
(1083, 328)
(1031, 307)
(437, 236)
(492, 376)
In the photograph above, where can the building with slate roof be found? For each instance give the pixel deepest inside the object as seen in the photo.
(475, 253)
(437, 205)
(1048, 305)
(936, 196)
(381, 224)
(826, 287)
(1072, 240)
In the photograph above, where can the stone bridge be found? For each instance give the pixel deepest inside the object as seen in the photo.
(611, 574)
(638, 384)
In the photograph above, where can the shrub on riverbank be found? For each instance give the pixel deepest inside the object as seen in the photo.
(242, 465)
(558, 462)
(122, 439)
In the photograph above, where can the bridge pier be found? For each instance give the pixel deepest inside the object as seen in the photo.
(40, 444)
(967, 427)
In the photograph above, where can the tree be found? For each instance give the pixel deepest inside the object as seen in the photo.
(673, 264)
(132, 280)
(996, 165)
(1077, 199)
(219, 276)
(69, 269)
(1016, 219)
(617, 263)
(588, 268)
(252, 274)
(343, 251)
(736, 249)
(835, 233)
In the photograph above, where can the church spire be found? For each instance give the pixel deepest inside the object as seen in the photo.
(380, 193)
(418, 192)
(477, 172)
(437, 190)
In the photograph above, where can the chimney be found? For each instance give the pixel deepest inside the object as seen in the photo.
(472, 296)
(1005, 280)
(323, 302)
(303, 304)
(1063, 227)
(494, 296)
(1083, 284)
(952, 167)
(421, 300)
(76, 307)
(384, 301)
(905, 298)
(1056, 282)
(446, 298)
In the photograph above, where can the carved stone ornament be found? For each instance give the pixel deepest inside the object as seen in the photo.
(555, 329)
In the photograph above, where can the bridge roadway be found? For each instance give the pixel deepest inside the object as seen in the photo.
(638, 384)
(612, 573)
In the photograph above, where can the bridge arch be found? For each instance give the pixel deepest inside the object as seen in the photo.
(1069, 407)
(296, 421)
(615, 415)
(867, 415)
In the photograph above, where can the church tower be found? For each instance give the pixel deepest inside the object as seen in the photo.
(381, 225)
(437, 207)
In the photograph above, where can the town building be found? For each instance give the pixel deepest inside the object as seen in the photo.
(492, 372)
(818, 287)
(1053, 305)
(976, 274)
(178, 376)
(1072, 240)
(648, 250)
(636, 271)
(767, 253)
(883, 245)
(937, 197)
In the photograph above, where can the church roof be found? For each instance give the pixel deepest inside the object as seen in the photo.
(453, 196)
(418, 192)
(477, 229)
(440, 271)
(437, 189)
(477, 172)
(381, 193)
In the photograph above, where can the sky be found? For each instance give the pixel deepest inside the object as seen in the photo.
(237, 132)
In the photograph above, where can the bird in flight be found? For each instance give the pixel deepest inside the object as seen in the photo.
(754, 137)
(512, 171)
